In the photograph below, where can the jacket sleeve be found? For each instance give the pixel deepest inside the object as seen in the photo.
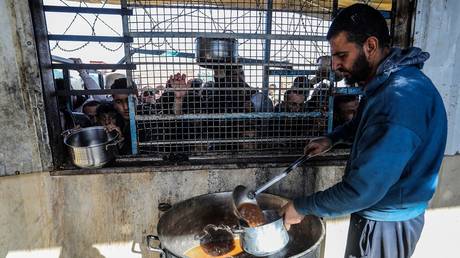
(382, 154)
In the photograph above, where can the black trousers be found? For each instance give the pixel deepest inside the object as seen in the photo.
(383, 239)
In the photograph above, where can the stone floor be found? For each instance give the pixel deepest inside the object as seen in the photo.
(440, 236)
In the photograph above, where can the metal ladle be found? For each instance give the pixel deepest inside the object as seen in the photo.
(242, 194)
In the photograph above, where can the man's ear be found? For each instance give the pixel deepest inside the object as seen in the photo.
(370, 47)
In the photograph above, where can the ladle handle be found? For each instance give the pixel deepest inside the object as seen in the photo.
(291, 167)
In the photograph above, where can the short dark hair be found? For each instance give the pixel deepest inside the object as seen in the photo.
(105, 108)
(300, 82)
(121, 83)
(360, 21)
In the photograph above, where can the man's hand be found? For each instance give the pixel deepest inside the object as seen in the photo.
(290, 214)
(318, 145)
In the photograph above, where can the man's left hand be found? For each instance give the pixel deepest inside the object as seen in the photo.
(290, 214)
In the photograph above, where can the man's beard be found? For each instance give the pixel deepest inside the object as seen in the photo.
(359, 71)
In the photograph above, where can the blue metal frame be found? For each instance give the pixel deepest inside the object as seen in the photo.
(291, 72)
(263, 115)
(160, 34)
(132, 123)
(267, 47)
(89, 38)
(131, 98)
(93, 66)
(91, 10)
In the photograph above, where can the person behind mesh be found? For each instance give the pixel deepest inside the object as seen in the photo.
(345, 108)
(107, 116)
(178, 98)
(121, 104)
(231, 90)
(68, 118)
(89, 109)
(294, 101)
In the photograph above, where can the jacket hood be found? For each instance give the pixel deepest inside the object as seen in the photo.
(397, 60)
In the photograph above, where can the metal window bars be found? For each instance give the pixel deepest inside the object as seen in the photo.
(229, 77)
(257, 77)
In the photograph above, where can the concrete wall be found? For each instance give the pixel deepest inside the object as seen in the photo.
(436, 31)
(94, 215)
(22, 119)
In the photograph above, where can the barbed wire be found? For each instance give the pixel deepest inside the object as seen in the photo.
(92, 25)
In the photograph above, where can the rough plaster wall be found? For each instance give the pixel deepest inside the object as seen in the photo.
(79, 213)
(436, 31)
(23, 132)
(448, 190)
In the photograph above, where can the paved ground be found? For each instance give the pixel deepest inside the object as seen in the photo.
(440, 236)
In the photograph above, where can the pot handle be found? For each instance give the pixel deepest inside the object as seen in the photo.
(113, 144)
(69, 131)
(151, 238)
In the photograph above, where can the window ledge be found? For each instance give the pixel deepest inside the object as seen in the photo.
(140, 164)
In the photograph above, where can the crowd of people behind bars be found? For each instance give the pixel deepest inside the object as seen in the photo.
(228, 93)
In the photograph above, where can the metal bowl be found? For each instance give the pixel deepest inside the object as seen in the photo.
(91, 147)
(266, 239)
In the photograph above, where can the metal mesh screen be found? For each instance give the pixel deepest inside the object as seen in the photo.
(235, 77)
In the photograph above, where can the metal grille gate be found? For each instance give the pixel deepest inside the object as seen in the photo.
(229, 77)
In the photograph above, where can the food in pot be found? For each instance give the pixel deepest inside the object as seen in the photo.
(198, 251)
(252, 214)
(215, 241)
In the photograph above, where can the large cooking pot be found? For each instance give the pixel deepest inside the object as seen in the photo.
(91, 147)
(178, 227)
(216, 52)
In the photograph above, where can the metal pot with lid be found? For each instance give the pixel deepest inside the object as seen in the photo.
(178, 227)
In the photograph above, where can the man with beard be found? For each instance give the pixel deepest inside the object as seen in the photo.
(399, 137)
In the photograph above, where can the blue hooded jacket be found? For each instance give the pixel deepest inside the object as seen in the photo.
(399, 137)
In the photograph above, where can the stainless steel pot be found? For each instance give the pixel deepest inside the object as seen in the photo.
(210, 51)
(266, 239)
(178, 227)
(91, 147)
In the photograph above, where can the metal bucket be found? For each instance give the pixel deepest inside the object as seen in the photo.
(91, 147)
(178, 227)
(266, 239)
